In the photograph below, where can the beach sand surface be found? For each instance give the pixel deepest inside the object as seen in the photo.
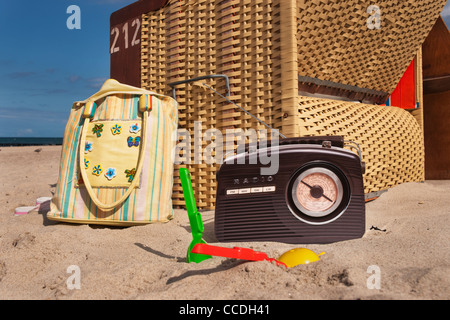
(407, 254)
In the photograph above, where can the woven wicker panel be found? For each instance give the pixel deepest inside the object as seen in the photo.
(263, 46)
(335, 44)
(390, 138)
(241, 39)
(418, 112)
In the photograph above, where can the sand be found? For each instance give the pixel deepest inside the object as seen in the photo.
(408, 255)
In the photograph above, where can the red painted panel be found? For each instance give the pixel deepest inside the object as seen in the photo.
(404, 95)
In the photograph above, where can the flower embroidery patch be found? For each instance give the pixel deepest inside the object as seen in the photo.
(116, 129)
(135, 128)
(133, 141)
(130, 174)
(98, 129)
(97, 170)
(88, 147)
(86, 163)
(110, 173)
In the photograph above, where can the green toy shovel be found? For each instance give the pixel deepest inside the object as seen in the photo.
(195, 218)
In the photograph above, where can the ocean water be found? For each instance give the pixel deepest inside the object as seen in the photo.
(10, 142)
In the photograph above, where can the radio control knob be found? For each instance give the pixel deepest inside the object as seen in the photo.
(316, 192)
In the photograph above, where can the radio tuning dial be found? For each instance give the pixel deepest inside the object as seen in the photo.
(317, 192)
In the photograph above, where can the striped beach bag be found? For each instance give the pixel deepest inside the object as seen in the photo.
(116, 162)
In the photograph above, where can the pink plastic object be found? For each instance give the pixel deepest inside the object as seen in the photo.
(20, 211)
(235, 253)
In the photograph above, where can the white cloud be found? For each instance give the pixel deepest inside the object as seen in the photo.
(74, 78)
(95, 83)
(23, 132)
(446, 11)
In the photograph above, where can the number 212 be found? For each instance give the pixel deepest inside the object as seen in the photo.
(135, 41)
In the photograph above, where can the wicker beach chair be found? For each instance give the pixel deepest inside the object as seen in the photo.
(306, 67)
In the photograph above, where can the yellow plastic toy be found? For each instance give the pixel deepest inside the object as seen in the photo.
(298, 256)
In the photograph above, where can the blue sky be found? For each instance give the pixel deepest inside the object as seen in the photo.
(45, 67)
(446, 14)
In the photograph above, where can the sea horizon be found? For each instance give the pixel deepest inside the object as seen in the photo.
(30, 141)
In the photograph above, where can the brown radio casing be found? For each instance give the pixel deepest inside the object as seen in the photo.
(255, 207)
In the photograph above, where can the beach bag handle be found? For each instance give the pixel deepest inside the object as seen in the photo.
(100, 205)
(110, 87)
(114, 87)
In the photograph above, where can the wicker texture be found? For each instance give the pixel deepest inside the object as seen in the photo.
(263, 46)
(391, 140)
(194, 38)
(335, 44)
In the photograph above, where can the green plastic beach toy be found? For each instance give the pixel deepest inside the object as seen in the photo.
(195, 218)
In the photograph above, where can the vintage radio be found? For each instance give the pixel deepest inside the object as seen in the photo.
(316, 195)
